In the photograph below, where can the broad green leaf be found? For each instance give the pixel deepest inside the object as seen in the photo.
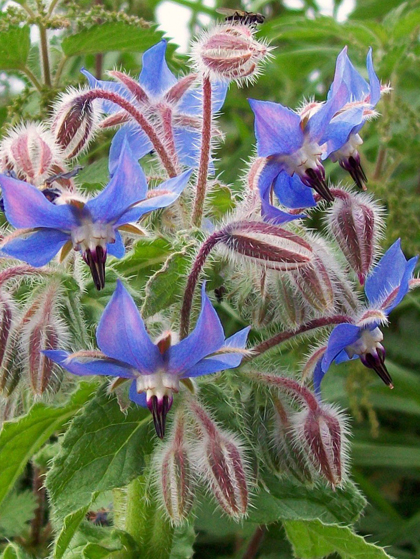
(165, 286)
(182, 546)
(102, 449)
(70, 525)
(13, 551)
(286, 500)
(15, 44)
(16, 513)
(24, 436)
(385, 456)
(108, 37)
(146, 257)
(118, 545)
(313, 540)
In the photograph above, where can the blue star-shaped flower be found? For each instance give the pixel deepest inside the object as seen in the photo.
(292, 146)
(342, 134)
(155, 369)
(159, 91)
(91, 227)
(385, 288)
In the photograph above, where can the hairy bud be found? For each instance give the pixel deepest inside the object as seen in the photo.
(30, 152)
(221, 463)
(290, 307)
(266, 244)
(74, 122)
(176, 480)
(229, 53)
(321, 433)
(356, 223)
(6, 317)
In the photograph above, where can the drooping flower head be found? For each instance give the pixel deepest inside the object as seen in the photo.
(291, 143)
(171, 103)
(89, 226)
(342, 135)
(385, 288)
(155, 369)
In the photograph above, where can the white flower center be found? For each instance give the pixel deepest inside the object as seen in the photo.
(158, 384)
(91, 235)
(307, 157)
(368, 342)
(348, 150)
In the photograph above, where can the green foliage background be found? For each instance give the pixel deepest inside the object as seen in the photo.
(386, 426)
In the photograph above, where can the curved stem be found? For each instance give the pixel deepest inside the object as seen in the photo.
(59, 70)
(44, 55)
(52, 7)
(31, 76)
(140, 119)
(288, 334)
(254, 544)
(200, 194)
(199, 262)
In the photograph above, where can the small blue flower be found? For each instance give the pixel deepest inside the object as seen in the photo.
(91, 227)
(292, 146)
(155, 369)
(162, 90)
(342, 134)
(385, 288)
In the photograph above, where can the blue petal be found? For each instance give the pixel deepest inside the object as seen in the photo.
(155, 76)
(391, 272)
(26, 207)
(273, 215)
(292, 193)
(139, 143)
(345, 72)
(318, 123)
(342, 336)
(38, 249)
(191, 102)
(139, 399)
(127, 186)
(107, 106)
(340, 129)
(94, 367)
(374, 83)
(221, 362)
(172, 188)
(317, 377)
(277, 128)
(206, 338)
(187, 144)
(267, 175)
(121, 334)
(116, 249)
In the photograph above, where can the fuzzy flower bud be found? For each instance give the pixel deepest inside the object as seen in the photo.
(290, 308)
(6, 316)
(176, 480)
(229, 52)
(356, 223)
(320, 432)
(30, 152)
(74, 122)
(221, 463)
(266, 244)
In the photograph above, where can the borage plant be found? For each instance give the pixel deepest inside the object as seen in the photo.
(233, 427)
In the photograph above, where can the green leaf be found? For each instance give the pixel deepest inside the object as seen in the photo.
(16, 513)
(108, 37)
(70, 525)
(164, 287)
(13, 551)
(385, 456)
(182, 546)
(311, 540)
(15, 44)
(287, 500)
(102, 449)
(23, 437)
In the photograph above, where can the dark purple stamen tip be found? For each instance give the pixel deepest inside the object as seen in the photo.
(316, 180)
(353, 166)
(377, 363)
(96, 261)
(159, 409)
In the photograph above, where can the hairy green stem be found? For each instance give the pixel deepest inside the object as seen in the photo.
(31, 76)
(45, 55)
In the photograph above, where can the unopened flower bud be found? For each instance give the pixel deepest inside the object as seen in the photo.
(266, 244)
(176, 479)
(30, 152)
(41, 369)
(6, 317)
(356, 223)
(221, 463)
(290, 307)
(321, 434)
(74, 122)
(229, 52)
